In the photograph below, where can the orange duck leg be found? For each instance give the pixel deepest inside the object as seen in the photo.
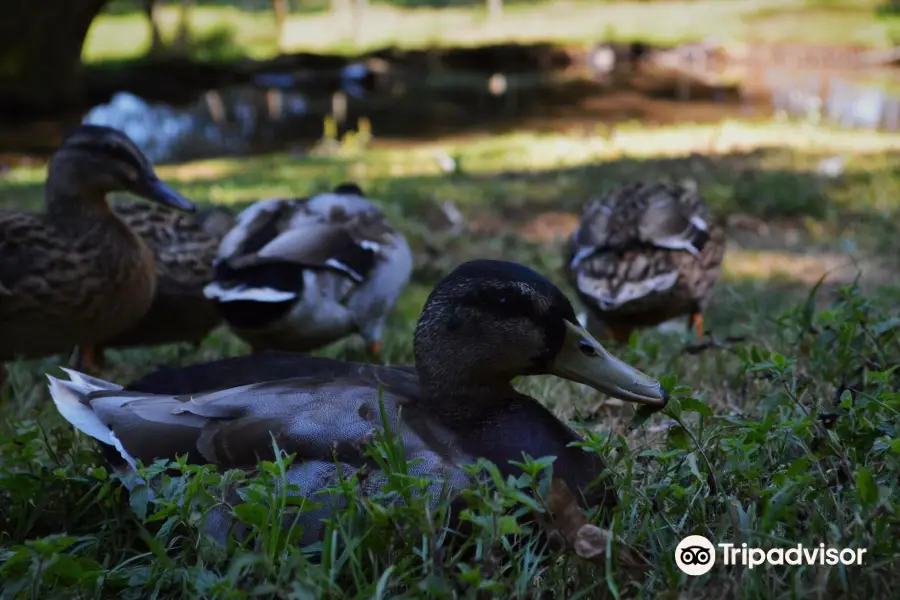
(695, 324)
(91, 359)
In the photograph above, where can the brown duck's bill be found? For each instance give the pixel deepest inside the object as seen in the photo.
(157, 191)
(584, 360)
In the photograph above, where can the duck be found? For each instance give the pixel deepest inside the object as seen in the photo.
(184, 248)
(297, 274)
(77, 274)
(645, 253)
(484, 324)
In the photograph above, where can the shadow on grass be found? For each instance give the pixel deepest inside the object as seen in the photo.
(775, 193)
(786, 225)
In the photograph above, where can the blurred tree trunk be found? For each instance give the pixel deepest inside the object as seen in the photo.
(343, 10)
(150, 10)
(40, 53)
(183, 36)
(359, 14)
(280, 8)
(495, 9)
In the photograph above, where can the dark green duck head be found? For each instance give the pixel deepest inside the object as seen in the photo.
(490, 321)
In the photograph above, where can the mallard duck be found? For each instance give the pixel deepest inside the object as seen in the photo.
(184, 247)
(298, 274)
(643, 254)
(483, 325)
(77, 274)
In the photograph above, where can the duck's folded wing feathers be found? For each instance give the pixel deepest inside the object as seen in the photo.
(299, 231)
(322, 246)
(312, 417)
(665, 225)
(36, 265)
(268, 366)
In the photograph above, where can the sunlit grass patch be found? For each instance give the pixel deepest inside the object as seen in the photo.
(224, 32)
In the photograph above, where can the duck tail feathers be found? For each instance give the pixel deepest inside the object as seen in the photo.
(69, 398)
(90, 384)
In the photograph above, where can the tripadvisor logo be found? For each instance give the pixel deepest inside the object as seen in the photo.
(695, 555)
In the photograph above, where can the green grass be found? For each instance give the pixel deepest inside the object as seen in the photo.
(223, 32)
(790, 439)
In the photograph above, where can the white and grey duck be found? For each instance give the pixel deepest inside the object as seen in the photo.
(298, 274)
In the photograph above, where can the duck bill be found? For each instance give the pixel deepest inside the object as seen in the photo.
(584, 360)
(154, 189)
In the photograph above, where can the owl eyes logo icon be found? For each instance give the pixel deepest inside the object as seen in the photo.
(695, 555)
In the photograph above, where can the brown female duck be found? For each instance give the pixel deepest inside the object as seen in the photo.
(645, 253)
(184, 247)
(484, 324)
(77, 274)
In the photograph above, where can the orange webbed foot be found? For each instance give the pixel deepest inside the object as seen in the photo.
(696, 325)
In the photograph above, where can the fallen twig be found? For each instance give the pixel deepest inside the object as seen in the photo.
(710, 343)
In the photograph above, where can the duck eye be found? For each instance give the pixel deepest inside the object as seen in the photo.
(587, 348)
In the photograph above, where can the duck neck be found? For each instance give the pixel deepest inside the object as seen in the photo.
(70, 202)
(455, 394)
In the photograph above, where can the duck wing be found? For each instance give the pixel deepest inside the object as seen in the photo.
(318, 418)
(264, 366)
(36, 265)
